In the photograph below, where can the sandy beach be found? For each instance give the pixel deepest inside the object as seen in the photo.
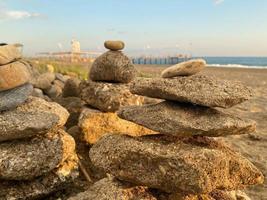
(253, 146)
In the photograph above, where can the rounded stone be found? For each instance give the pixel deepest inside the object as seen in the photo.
(187, 68)
(13, 75)
(10, 99)
(114, 45)
(113, 66)
(8, 54)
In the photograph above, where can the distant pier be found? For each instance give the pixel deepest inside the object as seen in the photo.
(160, 60)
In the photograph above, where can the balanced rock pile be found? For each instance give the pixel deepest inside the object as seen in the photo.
(106, 91)
(186, 161)
(37, 156)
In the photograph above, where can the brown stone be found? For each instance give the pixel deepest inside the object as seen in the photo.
(13, 75)
(40, 187)
(108, 97)
(71, 88)
(196, 89)
(44, 81)
(111, 189)
(112, 66)
(180, 119)
(27, 159)
(95, 124)
(187, 68)
(114, 45)
(35, 117)
(8, 54)
(189, 165)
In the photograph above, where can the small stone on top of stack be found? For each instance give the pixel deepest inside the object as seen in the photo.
(106, 91)
(185, 161)
(37, 157)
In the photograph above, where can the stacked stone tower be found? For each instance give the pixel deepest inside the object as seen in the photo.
(105, 92)
(186, 161)
(37, 157)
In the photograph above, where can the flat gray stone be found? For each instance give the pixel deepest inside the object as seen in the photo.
(40, 187)
(180, 119)
(187, 68)
(10, 99)
(112, 66)
(35, 117)
(189, 165)
(27, 159)
(111, 189)
(196, 89)
(108, 97)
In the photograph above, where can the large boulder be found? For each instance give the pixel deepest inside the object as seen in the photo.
(108, 97)
(112, 66)
(27, 159)
(58, 179)
(196, 89)
(10, 99)
(8, 54)
(95, 124)
(35, 117)
(111, 189)
(187, 68)
(13, 75)
(180, 119)
(193, 165)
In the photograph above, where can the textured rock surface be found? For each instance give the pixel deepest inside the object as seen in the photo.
(56, 180)
(114, 45)
(197, 89)
(192, 165)
(71, 88)
(187, 68)
(44, 81)
(108, 189)
(108, 97)
(35, 117)
(180, 119)
(54, 91)
(9, 53)
(10, 99)
(94, 124)
(13, 75)
(112, 66)
(27, 159)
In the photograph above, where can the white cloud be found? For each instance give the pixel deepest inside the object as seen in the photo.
(17, 15)
(217, 2)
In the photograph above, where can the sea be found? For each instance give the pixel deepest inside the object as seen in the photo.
(240, 62)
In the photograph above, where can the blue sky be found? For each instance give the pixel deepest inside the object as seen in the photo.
(198, 27)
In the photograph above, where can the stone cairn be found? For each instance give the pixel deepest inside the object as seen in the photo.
(106, 91)
(37, 157)
(185, 161)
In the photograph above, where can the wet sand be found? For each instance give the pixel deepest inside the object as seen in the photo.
(252, 146)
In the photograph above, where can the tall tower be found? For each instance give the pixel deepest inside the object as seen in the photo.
(75, 51)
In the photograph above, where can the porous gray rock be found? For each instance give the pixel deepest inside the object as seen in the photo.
(196, 89)
(112, 66)
(37, 93)
(114, 45)
(179, 119)
(187, 68)
(40, 187)
(27, 159)
(108, 97)
(9, 53)
(112, 189)
(71, 88)
(10, 99)
(35, 117)
(189, 165)
(44, 81)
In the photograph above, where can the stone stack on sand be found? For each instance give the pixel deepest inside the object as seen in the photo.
(36, 156)
(106, 91)
(185, 162)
